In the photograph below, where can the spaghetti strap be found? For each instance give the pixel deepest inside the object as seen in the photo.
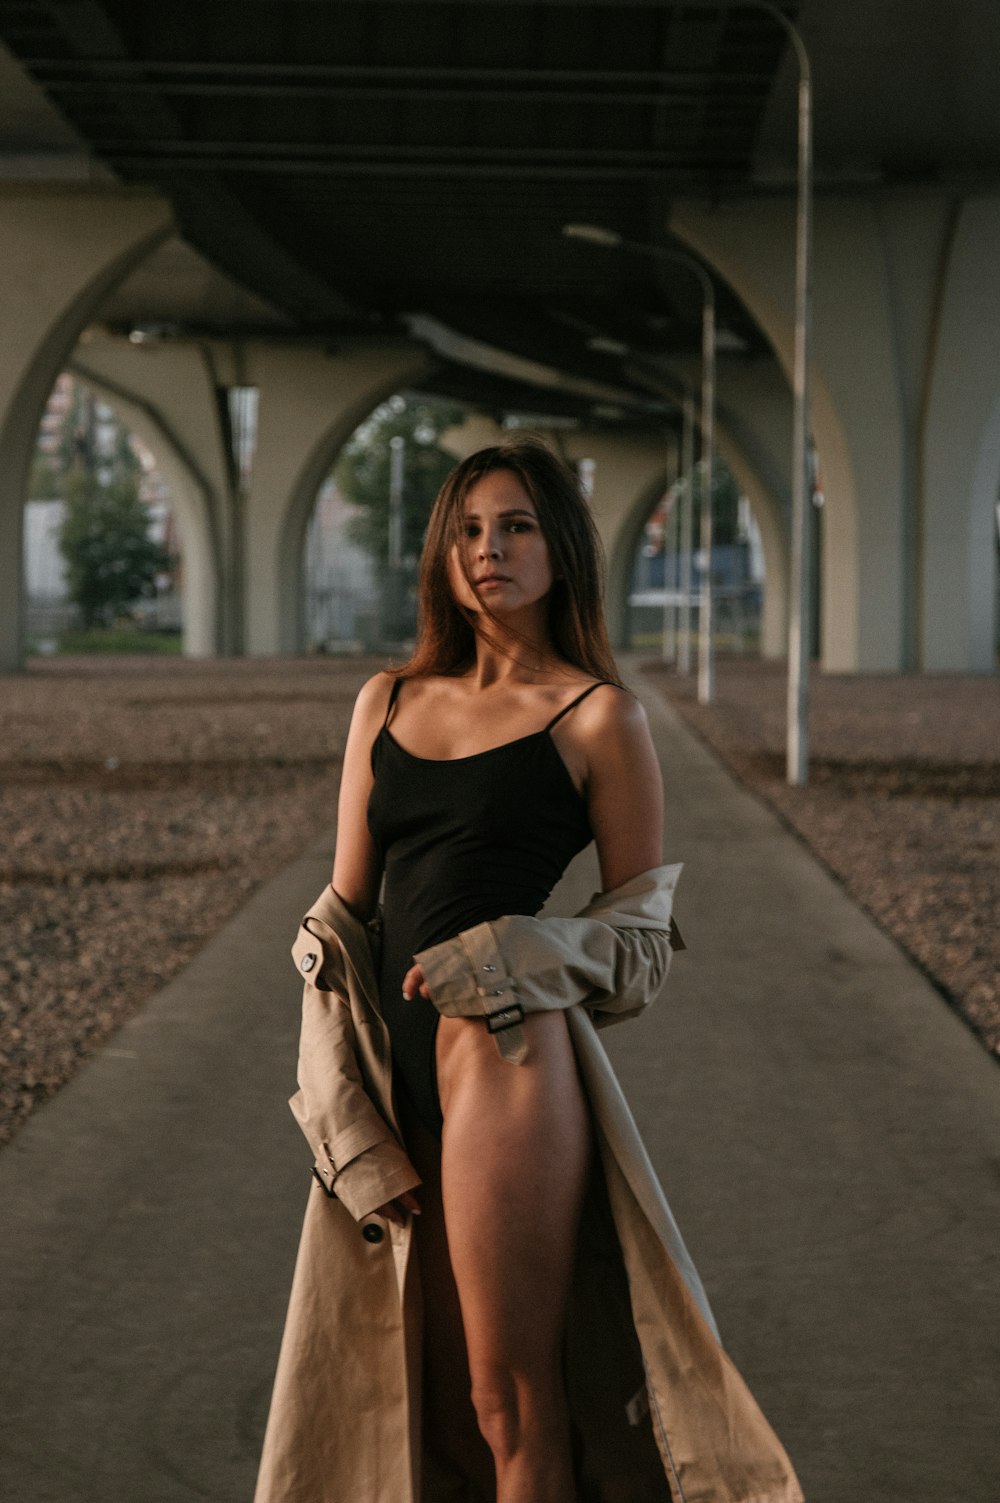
(574, 702)
(393, 696)
(397, 684)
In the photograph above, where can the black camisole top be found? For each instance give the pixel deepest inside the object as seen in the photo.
(462, 841)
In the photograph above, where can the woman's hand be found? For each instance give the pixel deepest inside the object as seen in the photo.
(396, 1210)
(413, 982)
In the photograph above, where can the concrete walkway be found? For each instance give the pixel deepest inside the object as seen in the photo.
(827, 1131)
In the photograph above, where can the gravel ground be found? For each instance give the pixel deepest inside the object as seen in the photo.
(903, 803)
(141, 802)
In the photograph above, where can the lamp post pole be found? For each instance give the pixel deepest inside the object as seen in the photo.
(686, 540)
(800, 610)
(706, 610)
(670, 502)
(801, 615)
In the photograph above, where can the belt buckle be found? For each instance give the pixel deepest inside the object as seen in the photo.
(504, 1017)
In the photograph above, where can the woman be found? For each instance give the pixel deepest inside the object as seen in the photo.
(471, 777)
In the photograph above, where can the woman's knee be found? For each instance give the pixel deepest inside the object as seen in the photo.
(514, 1409)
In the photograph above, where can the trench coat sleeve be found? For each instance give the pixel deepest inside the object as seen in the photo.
(358, 1156)
(612, 958)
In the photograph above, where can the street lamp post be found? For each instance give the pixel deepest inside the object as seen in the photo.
(686, 538)
(800, 613)
(397, 460)
(598, 235)
(671, 551)
(706, 607)
(393, 609)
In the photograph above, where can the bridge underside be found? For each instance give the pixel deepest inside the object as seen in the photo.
(387, 175)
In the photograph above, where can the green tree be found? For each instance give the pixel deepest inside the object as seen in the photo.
(111, 559)
(362, 471)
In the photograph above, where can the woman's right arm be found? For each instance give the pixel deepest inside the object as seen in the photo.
(357, 874)
(357, 871)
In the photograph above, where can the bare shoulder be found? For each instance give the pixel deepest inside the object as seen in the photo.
(612, 715)
(373, 699)
(624, 788)
(605, 742)
(613, 736)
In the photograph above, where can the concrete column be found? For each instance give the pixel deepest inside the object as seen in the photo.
(167, 394)
(630, 475)
(243, 546)
(869, 328)
(309, 405)
(961, 453)
(61, 252)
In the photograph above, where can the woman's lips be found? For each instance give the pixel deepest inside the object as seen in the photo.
(491, 579)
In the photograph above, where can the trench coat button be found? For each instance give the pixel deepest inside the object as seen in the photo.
(307, 962)
(372, 1233)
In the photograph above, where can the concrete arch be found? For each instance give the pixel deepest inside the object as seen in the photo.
(753, 434)
(62, 253)
(858, 406)
(622, 559)
(629, 473)
(743, 458)
(310, 404)
(961, 455)
(193, 497)
(180, 385)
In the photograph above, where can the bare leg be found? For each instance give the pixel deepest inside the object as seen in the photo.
(514, 1159)
(457, 1454)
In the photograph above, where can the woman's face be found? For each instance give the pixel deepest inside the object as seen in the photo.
(503, 549)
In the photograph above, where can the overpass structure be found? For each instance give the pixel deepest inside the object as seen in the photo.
(330, 202)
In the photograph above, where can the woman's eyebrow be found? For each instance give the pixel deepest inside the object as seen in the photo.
(514, 511)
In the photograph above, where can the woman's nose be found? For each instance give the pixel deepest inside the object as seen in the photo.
(489, 547)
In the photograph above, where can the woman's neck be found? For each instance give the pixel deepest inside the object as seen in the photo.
(518, 659)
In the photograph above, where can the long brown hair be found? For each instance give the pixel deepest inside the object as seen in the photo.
(446, 642)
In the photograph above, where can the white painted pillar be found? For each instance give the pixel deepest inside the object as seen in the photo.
(62, 252)
(859, 416)
(961, 453)
(167, 394)
(309, 405)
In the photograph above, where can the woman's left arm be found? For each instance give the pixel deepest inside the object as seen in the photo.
(623, 787)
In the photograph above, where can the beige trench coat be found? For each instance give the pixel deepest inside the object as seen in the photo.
(659, 1411)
